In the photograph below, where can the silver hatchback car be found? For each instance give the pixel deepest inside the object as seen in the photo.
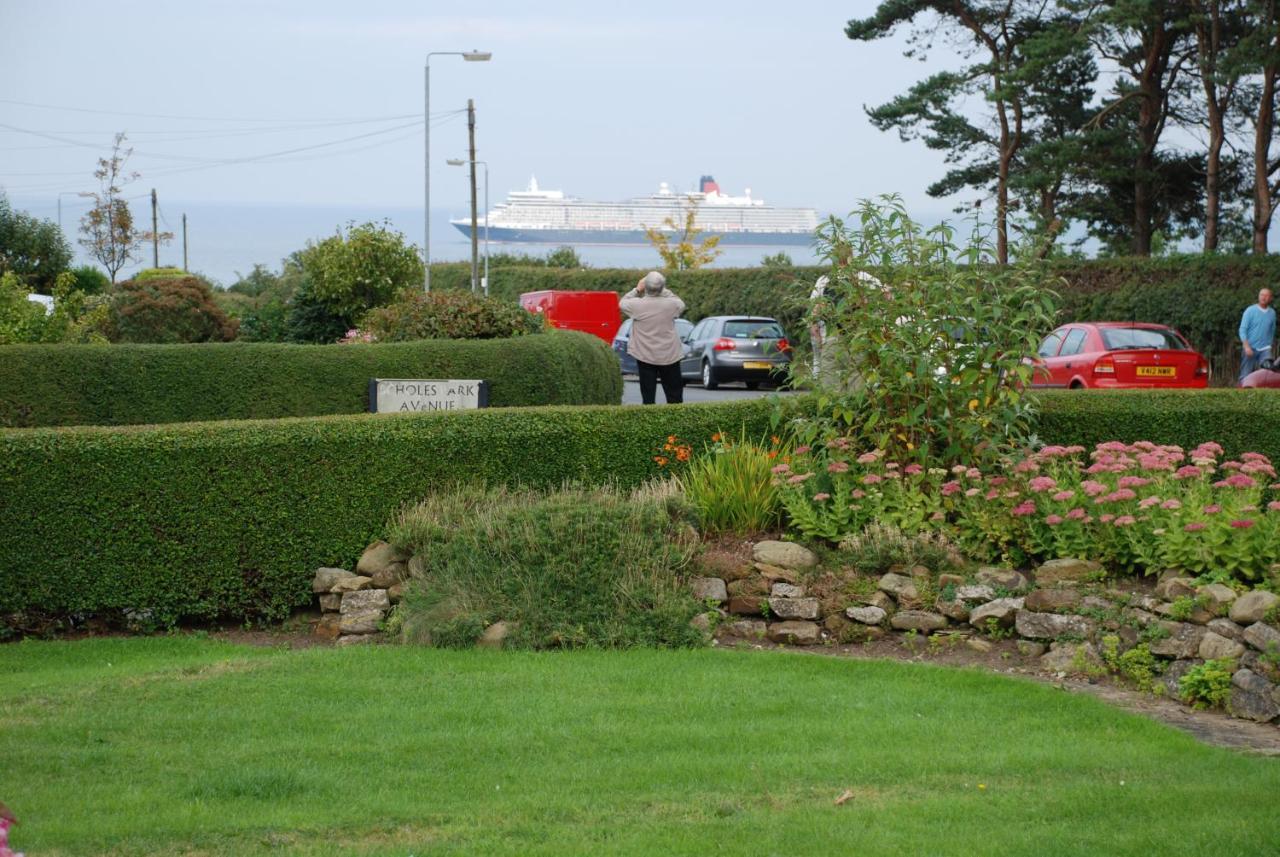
(725, 348)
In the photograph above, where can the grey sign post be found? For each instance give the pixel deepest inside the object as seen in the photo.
(417, 395)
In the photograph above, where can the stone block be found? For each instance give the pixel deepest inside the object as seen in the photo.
(918, 620)
(1004, 578)
(1262, 637)
(1051, 626)
(326, 578)
(1052, 600)
(747, 605)
(975, 594)
(329, 627)
(794, 608)
(1067, 570)
(1226, 628)
(786, 590)
(354, 583)
(378, 558)
(330, 601)
(1214, 646)
(866, 615)
(1174, 585)
(709, 589)
(1183, 641)
(1253, 606)
(362, 621)
(773, 573)
(1071, 658)
(901, 587)
(364, 600)
(784, 554)
(795, 633)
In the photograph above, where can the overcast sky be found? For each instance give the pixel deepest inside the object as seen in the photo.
(600, 100)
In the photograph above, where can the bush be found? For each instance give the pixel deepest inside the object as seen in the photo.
(130, 384)
(1207, 685)
(363, 268)
(158, 307)
(447, 315)
(569, 569)
(730, 487)
(90, 280)
(232, 519)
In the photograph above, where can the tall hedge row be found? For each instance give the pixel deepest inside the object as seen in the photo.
(231, 519)
(1202, 296)
(58, 385)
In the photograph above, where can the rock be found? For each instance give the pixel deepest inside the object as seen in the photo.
(784, 554)
(1002, 610)
(1252, 697)
(1262, 637)
(1145, 602)
(1052, 600)
(1070, 658)
(396, 593)
(329, 627)
(1173, 585)
(835, 624)
(368, 599)
(787, 590)
(327, 578)
(1253, 606)
(900, 587)
(1066, 570)
(1050, 626)
(794, 608)
(979, 645)
(495, 636)
(794, 633)
(1094, 602)
(1005, 578)
(330, 601)
(701, 622)
(945, 580)
(1267, 669)
(1173, 675)
(976, 594)
(378, 558)
(1226, 628)
(754, 585)
(1214, 646)
(389, 575)
(866, 615)
(1197, 616)
(918, 620)
(1028, 649)
(883, 601)
(362, 621)
(709, 589)
(358, 639)
(747, 605)
(754, 628)
(1142, 617)
(1183, 641)
(956, 610)
(354, 583)
(1218, 595)
(773, 573)
(417, 566)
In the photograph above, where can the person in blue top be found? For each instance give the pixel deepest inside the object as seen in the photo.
(1257, 332)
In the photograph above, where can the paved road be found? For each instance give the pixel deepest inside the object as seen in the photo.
(694, 393)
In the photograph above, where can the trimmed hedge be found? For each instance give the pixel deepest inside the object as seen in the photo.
(1241, 420)
(231, 519)
(60, 385)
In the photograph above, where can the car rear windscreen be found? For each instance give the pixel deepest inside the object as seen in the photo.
(1124, 338)
(752, 330)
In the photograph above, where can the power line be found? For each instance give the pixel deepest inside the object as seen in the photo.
(193, 118)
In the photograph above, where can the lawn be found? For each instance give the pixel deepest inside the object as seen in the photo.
(182, 745)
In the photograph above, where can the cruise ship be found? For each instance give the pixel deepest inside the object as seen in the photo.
(549, 217)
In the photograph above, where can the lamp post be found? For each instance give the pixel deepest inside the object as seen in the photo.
(468, 56)
(61, 194)
(459, 162)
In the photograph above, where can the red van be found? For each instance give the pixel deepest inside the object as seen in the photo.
(596, 313)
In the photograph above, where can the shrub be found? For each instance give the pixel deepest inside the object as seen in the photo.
(90, 280)
(231, 519)
(33, 250)
(447, 315)
(925, 359)
(129, 384)
(730, 486)
(163, 308)
(880, 547)
(1207, 685)
(76, 317)
(569, 569)
(363, 268)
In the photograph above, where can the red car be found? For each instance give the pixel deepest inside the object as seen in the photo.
(1118, 355)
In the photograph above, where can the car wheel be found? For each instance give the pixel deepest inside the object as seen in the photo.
(753, 385)
(709, 381)
(1077, 385)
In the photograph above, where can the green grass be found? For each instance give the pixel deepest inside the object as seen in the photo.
(187, 746)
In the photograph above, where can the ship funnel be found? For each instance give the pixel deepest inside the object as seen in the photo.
(707, 184)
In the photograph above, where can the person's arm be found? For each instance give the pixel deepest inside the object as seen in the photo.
(676, 297)
(1244, 333)
(629, 300)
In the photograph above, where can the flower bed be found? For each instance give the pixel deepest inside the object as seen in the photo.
(1139, 507)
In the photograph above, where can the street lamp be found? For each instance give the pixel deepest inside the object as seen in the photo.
(63, 193)
(459, 162)
(468, 56)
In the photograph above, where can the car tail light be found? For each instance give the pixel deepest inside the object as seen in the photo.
(1105, 366)
(724, 344)
(783, 345)
(1202, 368)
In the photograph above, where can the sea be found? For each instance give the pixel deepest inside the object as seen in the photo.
(225, 241)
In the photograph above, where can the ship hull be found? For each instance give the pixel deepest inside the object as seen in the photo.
(509, 235)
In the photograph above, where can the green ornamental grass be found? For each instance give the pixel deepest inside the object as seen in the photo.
(731, 485)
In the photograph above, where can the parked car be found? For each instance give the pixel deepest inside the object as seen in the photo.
(1112, 354)
(623, 336)
(735, 348)
(596, 313)
(1267, 376)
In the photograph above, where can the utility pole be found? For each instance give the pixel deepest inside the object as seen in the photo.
(155, 232)
(475, 245)
(184, 241)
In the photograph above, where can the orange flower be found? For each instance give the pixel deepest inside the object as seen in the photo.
(682, 453)
(662, 461)
(715, 438)
(671, 438)
(773, 453)
(776, 440)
